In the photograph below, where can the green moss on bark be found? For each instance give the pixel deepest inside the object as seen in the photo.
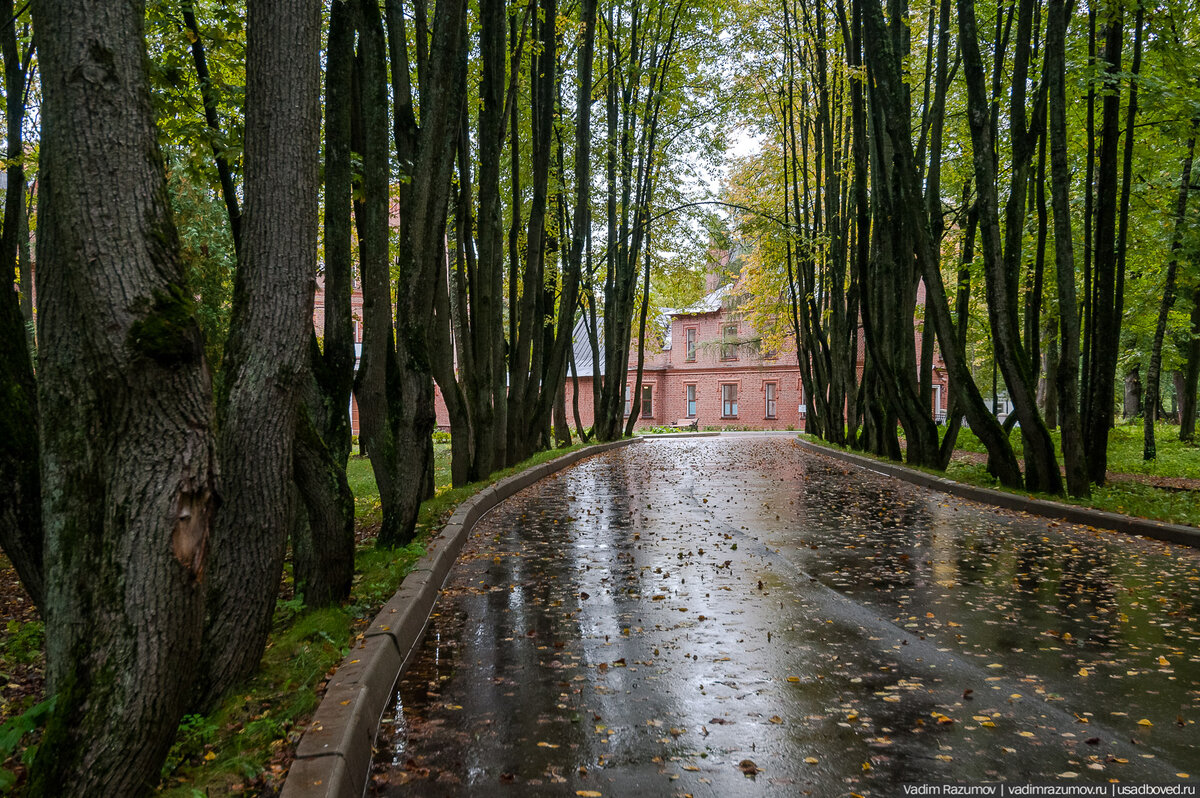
(166, 332)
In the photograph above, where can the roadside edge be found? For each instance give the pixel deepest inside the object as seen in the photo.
(1159, 530)
(333, 758)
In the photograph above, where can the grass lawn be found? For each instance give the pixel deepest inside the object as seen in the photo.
(1126, 496)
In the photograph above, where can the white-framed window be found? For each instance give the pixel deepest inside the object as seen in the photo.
(770, 396)
(729, 400)
(647, 401)
(628, 401)
(729, 342)
(690, 397)
(689, 334)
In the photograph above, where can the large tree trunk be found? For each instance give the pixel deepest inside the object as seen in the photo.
(128, 458)
(485, 379)
(1154, 372)
(1074, 454)
(267, 354)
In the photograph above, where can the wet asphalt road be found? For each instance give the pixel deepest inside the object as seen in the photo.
(732, 616)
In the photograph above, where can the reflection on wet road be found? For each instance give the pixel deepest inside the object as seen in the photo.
(732, 616)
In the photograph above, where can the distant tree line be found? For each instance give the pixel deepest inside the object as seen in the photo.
(1040, 148)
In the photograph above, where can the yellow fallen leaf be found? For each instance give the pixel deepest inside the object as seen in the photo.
(588, 793)
(210, 756)
(1163, 661)
(793, 678)
(811, 760)
(776, 719)
(1145, 722)
(547, 745)
(1025, 733)
(1083, 671)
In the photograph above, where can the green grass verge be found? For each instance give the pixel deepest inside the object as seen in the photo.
(244, 745)
(1175, 458)
(1119, 496)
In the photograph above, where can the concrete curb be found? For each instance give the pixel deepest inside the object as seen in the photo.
(333, 759)
(1172, 533)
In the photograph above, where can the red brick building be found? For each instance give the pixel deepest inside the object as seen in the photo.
(710, 366)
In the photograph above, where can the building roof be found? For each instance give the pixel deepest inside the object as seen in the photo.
(710, 303)
(583, 350)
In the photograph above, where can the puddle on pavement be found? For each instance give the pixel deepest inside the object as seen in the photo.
(734, 617)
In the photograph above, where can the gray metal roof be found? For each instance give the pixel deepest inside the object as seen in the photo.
(708, 304)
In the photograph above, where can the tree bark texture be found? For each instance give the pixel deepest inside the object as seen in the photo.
(1154, 371)
(889, 296)
(128, 457)
(377, 367)
(1104, 329)
(1191, 375)
(908, 203)
(323, 539)
(267, 353)
(1000, 267)
(428, 165)
(1074, 453)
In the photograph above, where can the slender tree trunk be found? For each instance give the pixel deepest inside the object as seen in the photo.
(377, 365)
(1049, 394)
(423, 208)
(20, 482)
(208, 96)
(1074, 454)
(127, 453)
(323, 540)
(1154, 372)
(1191, 375)
(891, 279)
(1041, 465)
(267, 352)
(1105, 327)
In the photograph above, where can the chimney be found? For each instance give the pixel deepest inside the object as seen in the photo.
(714, 272)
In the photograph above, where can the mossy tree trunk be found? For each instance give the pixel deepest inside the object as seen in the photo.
(323, 539)
(267, 355)
(395, 381)
(128, 456)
